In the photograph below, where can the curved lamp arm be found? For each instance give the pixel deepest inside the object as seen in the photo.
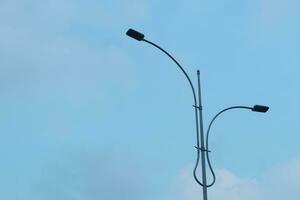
(256, 108)
(141, 37)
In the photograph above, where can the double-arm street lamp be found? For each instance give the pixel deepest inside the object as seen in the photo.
(202, 142)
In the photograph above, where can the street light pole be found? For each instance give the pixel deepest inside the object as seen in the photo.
(203, 149)
(201, 146)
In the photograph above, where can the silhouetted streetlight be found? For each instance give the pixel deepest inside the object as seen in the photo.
(201, 147)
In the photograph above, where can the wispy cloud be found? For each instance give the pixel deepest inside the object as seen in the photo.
(280, 182)
(42, 50)
(89, 176)
(275, 13)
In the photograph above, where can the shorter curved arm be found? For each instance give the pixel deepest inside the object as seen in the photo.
(215, 117)
(207, 136)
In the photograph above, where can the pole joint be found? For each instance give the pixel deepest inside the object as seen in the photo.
(198, 107)
(202, 149)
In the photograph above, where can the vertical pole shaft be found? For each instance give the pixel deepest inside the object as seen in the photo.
(203, 149)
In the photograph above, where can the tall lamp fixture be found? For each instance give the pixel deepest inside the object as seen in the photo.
(202, 142)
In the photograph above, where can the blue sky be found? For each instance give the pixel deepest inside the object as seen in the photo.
(88, 113)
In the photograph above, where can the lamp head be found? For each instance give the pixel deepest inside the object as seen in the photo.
(135, 34)
(260, 108)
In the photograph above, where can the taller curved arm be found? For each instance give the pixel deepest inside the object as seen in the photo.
(207, 136)
(195, 105)
(181, 68)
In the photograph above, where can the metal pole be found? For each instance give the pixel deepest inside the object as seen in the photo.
(203, 149)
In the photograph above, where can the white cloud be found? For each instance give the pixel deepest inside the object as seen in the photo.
(280, 182)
